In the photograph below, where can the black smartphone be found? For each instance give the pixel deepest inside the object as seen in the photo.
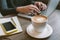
(8, 27)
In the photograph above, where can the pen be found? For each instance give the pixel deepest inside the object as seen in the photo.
(13, 21)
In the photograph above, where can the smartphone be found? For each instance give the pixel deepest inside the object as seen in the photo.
(8, 27)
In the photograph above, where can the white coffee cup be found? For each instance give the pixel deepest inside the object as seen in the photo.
(39, 22)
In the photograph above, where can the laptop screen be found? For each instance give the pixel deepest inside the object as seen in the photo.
(51, 7)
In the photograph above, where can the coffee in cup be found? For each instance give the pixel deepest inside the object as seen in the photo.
(39, 22)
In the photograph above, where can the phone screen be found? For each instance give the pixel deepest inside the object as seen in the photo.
(8, 26)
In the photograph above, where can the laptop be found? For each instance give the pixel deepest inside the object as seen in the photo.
(52, 4)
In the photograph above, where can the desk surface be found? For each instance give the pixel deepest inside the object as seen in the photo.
(54, 21)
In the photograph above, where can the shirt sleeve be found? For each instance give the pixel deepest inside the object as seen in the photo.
(5, 10)
(8, 11)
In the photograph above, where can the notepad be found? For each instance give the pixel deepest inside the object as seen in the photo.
(9, 26)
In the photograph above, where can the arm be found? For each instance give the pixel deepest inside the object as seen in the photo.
(8, 11)
(5, 10)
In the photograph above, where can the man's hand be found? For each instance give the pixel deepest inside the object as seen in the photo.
(40, 5)
(27, 9)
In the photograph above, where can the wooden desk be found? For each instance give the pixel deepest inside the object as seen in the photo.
(54, 21)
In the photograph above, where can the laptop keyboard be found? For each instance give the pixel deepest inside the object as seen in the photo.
(25, 15)
(29, 15)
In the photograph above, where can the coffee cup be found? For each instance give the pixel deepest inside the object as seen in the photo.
(39, 22)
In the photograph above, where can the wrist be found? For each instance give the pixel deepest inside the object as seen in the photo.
(17, 9)
(20, 9)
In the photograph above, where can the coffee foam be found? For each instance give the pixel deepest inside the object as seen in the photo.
(39, 19)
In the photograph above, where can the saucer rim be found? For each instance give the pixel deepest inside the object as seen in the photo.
(41, 37)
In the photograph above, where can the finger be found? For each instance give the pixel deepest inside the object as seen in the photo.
(33, 6)
(36, 8)
(38, 4)
(44, 7)
(33, 13)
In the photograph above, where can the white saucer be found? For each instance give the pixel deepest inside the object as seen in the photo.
(46, 33)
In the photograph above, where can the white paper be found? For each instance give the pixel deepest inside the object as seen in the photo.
(18, 26)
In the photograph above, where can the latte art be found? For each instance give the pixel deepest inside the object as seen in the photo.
(39, 19)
